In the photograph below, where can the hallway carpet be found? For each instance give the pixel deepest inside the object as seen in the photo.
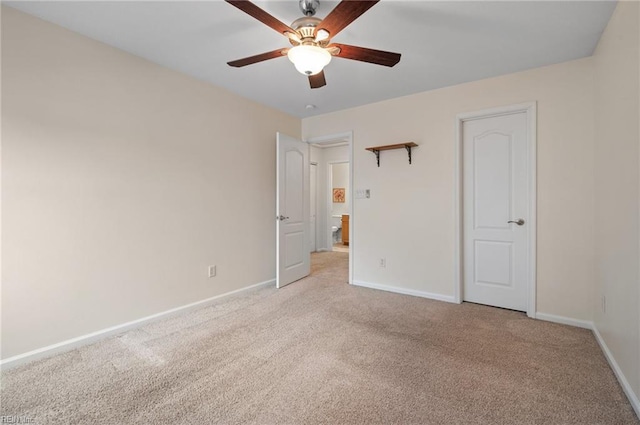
(322, 351)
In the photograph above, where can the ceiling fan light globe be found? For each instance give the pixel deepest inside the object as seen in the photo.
(322, 35)
(309, 60)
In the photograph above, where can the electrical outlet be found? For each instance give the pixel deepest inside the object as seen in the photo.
(604, 304)
(383, 262)
(212, 271)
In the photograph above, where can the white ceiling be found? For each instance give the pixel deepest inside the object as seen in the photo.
(442, 43)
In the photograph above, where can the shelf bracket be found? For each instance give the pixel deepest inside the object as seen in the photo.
(377, 152)
(408, 148)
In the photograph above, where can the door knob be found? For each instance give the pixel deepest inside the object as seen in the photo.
(281, 218)
(519, 221)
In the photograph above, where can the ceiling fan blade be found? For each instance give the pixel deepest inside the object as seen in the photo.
(262, 16)
(343, 14)
(378, 57)
(258, 58)
(316, 81)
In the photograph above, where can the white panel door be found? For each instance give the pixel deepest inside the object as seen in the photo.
(495, 206)
(293, 260)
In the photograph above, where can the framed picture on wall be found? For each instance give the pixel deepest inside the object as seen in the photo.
(338, 195)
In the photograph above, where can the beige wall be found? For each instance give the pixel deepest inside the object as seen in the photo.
(409, 219)
(617, 75)
(121, 182)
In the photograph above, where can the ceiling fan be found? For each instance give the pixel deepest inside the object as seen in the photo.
(311, 38)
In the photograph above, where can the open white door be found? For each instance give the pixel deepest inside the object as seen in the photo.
(293, 260)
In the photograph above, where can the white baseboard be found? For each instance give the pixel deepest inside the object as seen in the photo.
(92, 337)
(564, 320)
(633, 398)
(405, 291)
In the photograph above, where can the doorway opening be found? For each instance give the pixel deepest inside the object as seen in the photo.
(332, 209)
(338, 206)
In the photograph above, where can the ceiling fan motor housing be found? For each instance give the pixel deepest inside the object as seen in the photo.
(308, 7)
(306, 26)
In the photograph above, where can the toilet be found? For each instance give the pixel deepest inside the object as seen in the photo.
(336, 235)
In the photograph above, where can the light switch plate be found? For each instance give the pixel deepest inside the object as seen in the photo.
(363, 193)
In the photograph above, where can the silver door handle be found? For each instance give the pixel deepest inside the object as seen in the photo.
(282, 218)
(519, 222)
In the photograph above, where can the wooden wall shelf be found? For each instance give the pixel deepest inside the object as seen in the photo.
(377, 149)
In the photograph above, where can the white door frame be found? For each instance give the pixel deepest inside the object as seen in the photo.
(346, 137)
(314, 190)
(530, 108)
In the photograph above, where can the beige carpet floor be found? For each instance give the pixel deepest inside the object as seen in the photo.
(322, 352)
